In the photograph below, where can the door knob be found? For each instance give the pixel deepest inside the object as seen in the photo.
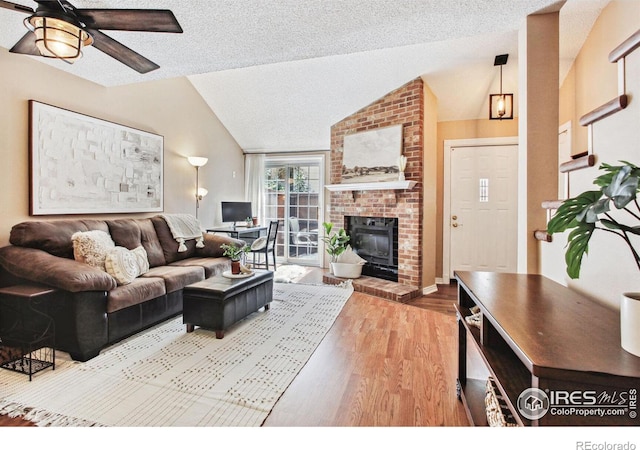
(454, 217)
(455, 225)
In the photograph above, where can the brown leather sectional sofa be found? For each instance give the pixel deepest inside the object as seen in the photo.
(90, 309)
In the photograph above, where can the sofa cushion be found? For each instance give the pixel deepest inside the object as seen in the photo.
(125, 233)
(176, 277)
(151, 243)
(92, 247)
(212, 266)
(169, 244)
(52, 236)
(138, 291)
(132, 233)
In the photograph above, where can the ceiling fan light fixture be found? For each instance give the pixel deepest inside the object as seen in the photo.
(57, 38)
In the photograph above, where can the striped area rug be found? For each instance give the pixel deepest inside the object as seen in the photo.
(166, 377)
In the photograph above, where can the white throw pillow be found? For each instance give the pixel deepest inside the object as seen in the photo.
(122, 264)
(91, 247)
(141, 256)
(259, 243)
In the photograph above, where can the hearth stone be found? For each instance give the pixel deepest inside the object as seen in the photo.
(377, 287)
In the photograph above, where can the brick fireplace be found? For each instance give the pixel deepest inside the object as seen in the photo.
(403, 106)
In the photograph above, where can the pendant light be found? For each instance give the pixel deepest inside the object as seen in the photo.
(500, 105)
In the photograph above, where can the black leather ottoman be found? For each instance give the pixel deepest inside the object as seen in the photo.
(218, 302)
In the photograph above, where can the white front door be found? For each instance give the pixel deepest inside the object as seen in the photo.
(484, 211)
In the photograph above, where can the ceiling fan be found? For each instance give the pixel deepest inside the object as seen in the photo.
(57, 29)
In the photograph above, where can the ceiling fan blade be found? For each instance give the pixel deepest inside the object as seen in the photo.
(56, 4)
(159, 20)
(121, 52)
(26, 45)
(16, 7)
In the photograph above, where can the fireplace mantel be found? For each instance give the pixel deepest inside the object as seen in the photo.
(378, 186)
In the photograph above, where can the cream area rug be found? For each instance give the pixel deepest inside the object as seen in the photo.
(289, 273)
(166, 377)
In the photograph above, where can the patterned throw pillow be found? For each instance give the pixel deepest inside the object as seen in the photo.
(91, 247)
(122, 264)
(141, 256)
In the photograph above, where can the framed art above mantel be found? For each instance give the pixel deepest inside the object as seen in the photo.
(372, 156)
(82, 165)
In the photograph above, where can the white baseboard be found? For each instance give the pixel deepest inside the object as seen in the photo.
(442, 281)
(430, 289)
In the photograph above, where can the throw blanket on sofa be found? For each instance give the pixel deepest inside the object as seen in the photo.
(184, 227)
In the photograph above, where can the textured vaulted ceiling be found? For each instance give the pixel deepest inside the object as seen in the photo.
(279, 73)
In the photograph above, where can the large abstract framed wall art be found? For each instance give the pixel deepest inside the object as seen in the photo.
(83, 165)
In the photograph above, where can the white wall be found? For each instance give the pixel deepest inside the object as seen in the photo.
(171, 108)
(608, 270)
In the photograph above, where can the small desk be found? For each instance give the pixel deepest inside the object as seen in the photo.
(248, 234)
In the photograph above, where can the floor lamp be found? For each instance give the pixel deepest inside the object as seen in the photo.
(197, 162)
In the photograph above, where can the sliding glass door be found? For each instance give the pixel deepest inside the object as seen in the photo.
(293, 193)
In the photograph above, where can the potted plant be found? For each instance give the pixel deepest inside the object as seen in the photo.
(335, 244)
(591, 211)
(234, 252)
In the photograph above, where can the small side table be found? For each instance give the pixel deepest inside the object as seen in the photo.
(27, 335)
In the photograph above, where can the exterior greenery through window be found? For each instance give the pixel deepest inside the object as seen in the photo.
(276, 176)
(292, 196)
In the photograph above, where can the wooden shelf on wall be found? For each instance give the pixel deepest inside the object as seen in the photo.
(613, 106)
(628, 46)
(552, 204)
(549, 205)
(542, 235)
(578, 163)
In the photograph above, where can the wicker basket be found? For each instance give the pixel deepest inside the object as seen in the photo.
(474, 319)
(498, 414)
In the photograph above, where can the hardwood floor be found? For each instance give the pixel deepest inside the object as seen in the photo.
(381, 364)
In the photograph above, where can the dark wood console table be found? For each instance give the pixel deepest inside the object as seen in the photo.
(536, 333)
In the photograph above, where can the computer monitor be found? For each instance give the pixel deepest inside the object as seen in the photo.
(236, 211)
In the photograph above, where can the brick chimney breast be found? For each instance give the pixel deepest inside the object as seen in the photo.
(404, 106)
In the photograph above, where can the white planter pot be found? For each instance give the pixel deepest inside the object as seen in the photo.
(630, 322)
(346, 270)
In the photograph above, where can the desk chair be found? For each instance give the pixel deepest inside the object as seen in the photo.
(266, 245)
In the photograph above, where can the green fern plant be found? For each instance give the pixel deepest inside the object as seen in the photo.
(591, 211)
